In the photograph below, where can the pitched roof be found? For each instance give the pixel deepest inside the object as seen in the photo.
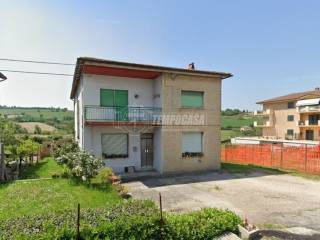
(291, 97)
(81, 61)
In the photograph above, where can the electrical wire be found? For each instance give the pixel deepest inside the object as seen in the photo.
(40, 73)
(32, 61)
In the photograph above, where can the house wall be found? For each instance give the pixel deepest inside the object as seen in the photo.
(93, 145)
(158, 149)
(144, 88)
(78, 117)
(279, 120)
(172, 135)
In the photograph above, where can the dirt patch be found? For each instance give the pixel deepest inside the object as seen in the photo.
(30, 126)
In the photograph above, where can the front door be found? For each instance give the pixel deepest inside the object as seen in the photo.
(309, 135)
(147, 150)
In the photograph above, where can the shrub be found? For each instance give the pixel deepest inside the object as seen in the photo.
(80, 164)
(128, 220)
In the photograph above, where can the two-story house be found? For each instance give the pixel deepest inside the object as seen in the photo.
(294, 116)
(140, 117)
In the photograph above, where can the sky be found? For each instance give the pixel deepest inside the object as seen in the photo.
(271, 47)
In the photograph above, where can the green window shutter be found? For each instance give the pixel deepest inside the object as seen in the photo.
(106, 98)
(121, 98)
(191, 99)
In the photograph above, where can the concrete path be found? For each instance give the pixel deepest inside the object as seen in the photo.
(264, 199)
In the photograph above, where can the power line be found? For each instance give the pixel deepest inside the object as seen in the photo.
(32, 61)
(41, 73)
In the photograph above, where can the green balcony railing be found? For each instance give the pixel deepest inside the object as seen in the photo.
(122, 114)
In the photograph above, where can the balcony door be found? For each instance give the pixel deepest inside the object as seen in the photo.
(116, 103)
(147, 151)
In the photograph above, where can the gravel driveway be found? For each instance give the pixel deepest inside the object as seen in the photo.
(277, 199)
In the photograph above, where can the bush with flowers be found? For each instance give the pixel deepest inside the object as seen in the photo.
(78, 163)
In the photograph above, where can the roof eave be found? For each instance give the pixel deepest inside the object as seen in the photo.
(82, 60)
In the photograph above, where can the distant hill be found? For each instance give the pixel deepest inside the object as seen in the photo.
(33, 114)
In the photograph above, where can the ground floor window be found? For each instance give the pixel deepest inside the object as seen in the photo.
(114, 145)
(192, 144)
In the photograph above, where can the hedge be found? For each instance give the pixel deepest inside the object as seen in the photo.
(129, 220)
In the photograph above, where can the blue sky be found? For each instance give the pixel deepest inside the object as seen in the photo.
(271, 47)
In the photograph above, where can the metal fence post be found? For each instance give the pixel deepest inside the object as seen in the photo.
(2, 164)
(78, 222)
(281, 156)
(305, 157)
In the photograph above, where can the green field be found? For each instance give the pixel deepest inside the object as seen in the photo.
(40, 196)
(230, 125)
(38, 113)
(238, 121)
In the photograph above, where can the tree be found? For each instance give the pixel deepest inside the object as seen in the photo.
(37, 129)
(28, 148)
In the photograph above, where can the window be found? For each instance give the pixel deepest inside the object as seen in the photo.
(290, 118)
(291, 105)
(114, 145)
(192, 144)
(290, 132)
(191, 99)
(113, 98)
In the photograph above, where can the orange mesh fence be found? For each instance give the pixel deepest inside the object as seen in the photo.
(303, 158)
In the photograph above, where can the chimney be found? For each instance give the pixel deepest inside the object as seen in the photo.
(317, 89)
(191, 66)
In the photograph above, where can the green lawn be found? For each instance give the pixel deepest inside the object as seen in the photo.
(43, 169)
(43, 196)
(37, 196)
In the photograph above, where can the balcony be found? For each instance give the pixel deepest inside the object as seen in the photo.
(265, 112)
(265, 124)
(307, 123)
(308, 109)
(135, 115)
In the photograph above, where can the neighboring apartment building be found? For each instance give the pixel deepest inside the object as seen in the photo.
(143, 117)
(293, 117)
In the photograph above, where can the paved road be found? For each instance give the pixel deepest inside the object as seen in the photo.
(264, 199)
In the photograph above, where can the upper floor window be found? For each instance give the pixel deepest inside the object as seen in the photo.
(290, 118)
(113, 98)
(291, 105)
(192, 99)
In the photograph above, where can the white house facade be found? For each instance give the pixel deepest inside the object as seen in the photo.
(143, 117)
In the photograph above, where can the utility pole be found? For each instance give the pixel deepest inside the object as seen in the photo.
(2, 164)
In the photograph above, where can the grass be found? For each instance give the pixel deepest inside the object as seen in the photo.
(238, 121)
(55, 195)
(247, 169)
(43, 169)
(36, 194)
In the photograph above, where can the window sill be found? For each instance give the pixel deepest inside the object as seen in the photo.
(192, 155)
(192, 108)
(108, 157)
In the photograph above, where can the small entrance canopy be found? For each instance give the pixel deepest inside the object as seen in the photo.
(308, 102)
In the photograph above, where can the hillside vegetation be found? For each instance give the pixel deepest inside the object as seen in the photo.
(233, 119)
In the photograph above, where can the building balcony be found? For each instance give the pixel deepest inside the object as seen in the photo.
(308, 109)
(265, 112)
(307, 123)
(265, 124)
(125, 115)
